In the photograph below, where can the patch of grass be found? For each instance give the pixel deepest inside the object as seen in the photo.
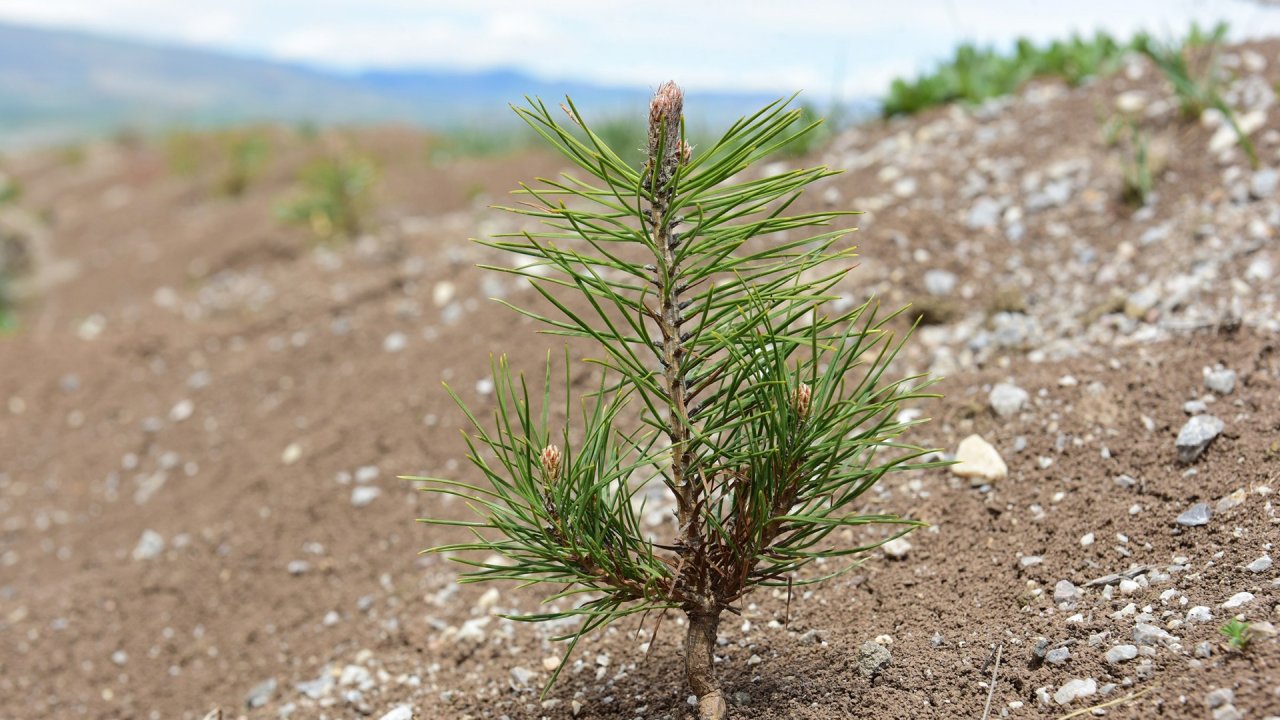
(1136, 161)
(246, 155)
(976, 74)
(333, 197)
(468, 142)
(1238, 634)
(10, 188)
(1193, 69)
(182, 150)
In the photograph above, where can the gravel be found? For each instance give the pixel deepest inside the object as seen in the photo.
(261, 694)
(1196, 435)
(1196, 515)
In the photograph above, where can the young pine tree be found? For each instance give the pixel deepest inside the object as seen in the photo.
(722, 377)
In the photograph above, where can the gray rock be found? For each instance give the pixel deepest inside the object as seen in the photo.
(149, 546)
(1218, 698)
(1262, 564)
(1220, 380)
(1263, 183)
(1227, 712)
(1150, 635)
(521, 676)
(298, 567)
(1122, 653)
(399, 712)
(1057, 656)
(1237, 600)
(261, 694)
(872, 658)
(1196, 435)
(395, 342)
(318, 688)
(939, 282)
(1204, 649)
(1066, 593)
(1196, 515)
(984, 213)
(1195, 407)
(1007, 399)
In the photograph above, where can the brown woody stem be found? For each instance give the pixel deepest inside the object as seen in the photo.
(698, 662)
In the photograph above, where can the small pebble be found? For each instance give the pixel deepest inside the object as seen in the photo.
(1196, 515)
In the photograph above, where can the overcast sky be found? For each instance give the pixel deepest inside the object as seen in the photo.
(853, 47)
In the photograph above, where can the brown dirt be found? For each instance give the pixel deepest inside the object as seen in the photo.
(200, 345)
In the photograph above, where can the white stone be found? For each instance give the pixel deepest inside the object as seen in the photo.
(979, 461)
(442, 293)
(1122, 653)
(1199, 613)
(395, 342)
(1262, 564)
(1074, 690)
(399, 712)
(1240, 598)
(1007, 399)
(292, 453)
(181, 410)
(1146, 634)
(897, 548)
(362, 495)
(149, 546)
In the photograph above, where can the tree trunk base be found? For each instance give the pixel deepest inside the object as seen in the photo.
(699, 661)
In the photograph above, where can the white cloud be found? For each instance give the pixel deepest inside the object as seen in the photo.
(762, 44)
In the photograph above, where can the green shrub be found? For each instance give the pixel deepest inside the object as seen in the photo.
(333, 196)
(724, 379)
(246, 156)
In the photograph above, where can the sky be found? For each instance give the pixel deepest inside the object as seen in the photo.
(847, 49)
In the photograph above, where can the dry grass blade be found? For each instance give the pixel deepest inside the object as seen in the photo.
(991, 691)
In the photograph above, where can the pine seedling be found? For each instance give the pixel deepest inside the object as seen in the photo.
(723, 376)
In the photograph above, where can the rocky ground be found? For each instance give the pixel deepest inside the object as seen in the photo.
(204, 414)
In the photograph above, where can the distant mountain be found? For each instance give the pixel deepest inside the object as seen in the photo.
(56, 85)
